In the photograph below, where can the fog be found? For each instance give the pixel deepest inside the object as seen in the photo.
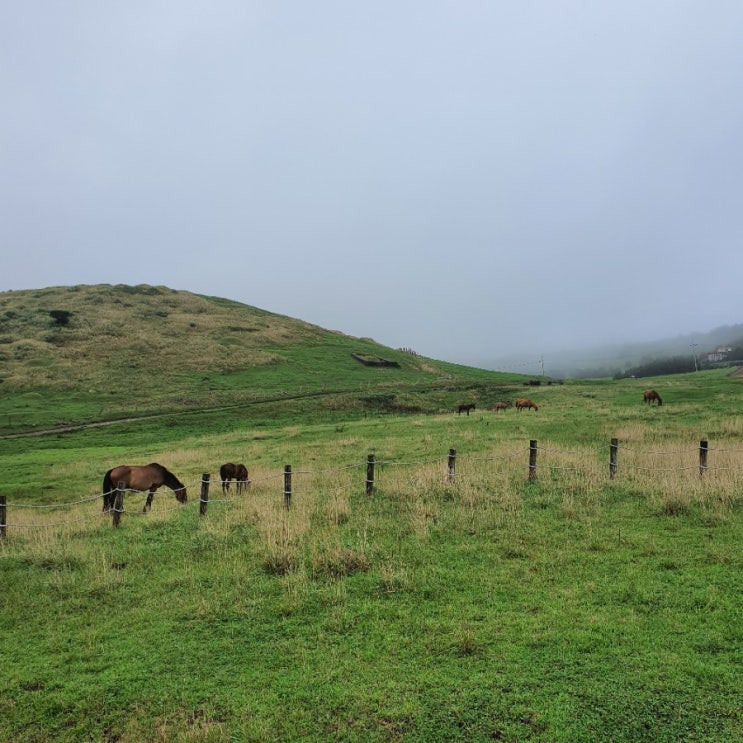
(467, 179)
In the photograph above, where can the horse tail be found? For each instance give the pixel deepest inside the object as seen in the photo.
(107, 491)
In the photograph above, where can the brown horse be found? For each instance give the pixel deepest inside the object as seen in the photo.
(525, 403)
(237, 472)
(465, 407)
(147, 478)
(651, 396)
(502, 406)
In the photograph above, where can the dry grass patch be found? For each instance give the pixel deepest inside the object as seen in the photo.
(338, 561)
(393, 578)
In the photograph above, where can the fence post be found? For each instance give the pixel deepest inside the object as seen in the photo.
(3, 516)
(370, 474)
(703, 449)
(287, 485)
(533, 459)
(118, 503)
(613, 458)
(452, 465)
(204, 499)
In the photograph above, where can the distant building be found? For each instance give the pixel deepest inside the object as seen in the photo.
(719, 354)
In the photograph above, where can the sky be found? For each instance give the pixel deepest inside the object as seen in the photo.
(468, 178)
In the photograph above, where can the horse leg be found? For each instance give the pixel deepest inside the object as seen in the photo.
(148, 502)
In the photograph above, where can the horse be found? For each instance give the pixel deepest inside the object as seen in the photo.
(525, 403)
(465, 407)
(502, 406)
(237, 472)
(147, 478)
(651, 396)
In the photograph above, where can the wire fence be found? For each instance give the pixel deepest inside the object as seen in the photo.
(634, 465)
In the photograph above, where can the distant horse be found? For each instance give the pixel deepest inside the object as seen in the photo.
(465, 408)
(502, 406)
(651, 396)
(147, 478)
(237, 472)
(525, 403)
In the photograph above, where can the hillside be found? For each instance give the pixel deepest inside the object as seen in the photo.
(82, 353)
(108, 334)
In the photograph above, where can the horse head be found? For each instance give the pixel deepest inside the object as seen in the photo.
(181, 495)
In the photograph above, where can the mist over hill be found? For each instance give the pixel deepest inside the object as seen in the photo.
(609, 360)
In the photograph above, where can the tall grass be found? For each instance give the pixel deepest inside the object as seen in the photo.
(567, 608)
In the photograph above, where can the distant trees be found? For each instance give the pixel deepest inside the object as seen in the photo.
(659, 367)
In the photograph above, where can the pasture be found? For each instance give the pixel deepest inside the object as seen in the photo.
(486, 606)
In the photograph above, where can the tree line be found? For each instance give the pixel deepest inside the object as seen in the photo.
(681, 364)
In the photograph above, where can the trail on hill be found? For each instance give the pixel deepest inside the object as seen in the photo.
(152, 416)
(192, 411)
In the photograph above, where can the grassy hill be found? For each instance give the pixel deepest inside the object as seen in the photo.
(569, 606)
(87, 353)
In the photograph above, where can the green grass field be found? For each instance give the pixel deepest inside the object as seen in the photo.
(571, 607)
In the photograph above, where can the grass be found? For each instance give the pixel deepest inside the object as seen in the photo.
(462, 612)
(490, 607)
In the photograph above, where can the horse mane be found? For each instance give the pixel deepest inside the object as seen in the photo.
(168, 477)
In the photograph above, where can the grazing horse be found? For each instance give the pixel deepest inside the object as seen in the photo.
(651, 396)
(502, 406)
(147, 478)
(465, 407)
(237, 472)
(525, 403)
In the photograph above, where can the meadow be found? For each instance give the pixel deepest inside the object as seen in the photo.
(487, 606)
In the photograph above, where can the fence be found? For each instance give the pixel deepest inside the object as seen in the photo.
(372, 465)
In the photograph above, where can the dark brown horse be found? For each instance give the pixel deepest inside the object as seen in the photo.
(502, 406)
(651, 396)
(147, 478)
(465, 407)
(525, 403)
(237, 472)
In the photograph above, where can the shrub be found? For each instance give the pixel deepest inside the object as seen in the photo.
(60, 317)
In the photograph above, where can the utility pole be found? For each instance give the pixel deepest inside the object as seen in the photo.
(693, 347)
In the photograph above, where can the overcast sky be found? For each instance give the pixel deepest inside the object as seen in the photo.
(468, 179)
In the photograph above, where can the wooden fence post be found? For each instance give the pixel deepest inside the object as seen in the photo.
(204, 499)
(3, 516)
(613, 458)
(287, 485)
(703, 449)
(452, 465)
(532, 460)
(370, 474)
(118, 508)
